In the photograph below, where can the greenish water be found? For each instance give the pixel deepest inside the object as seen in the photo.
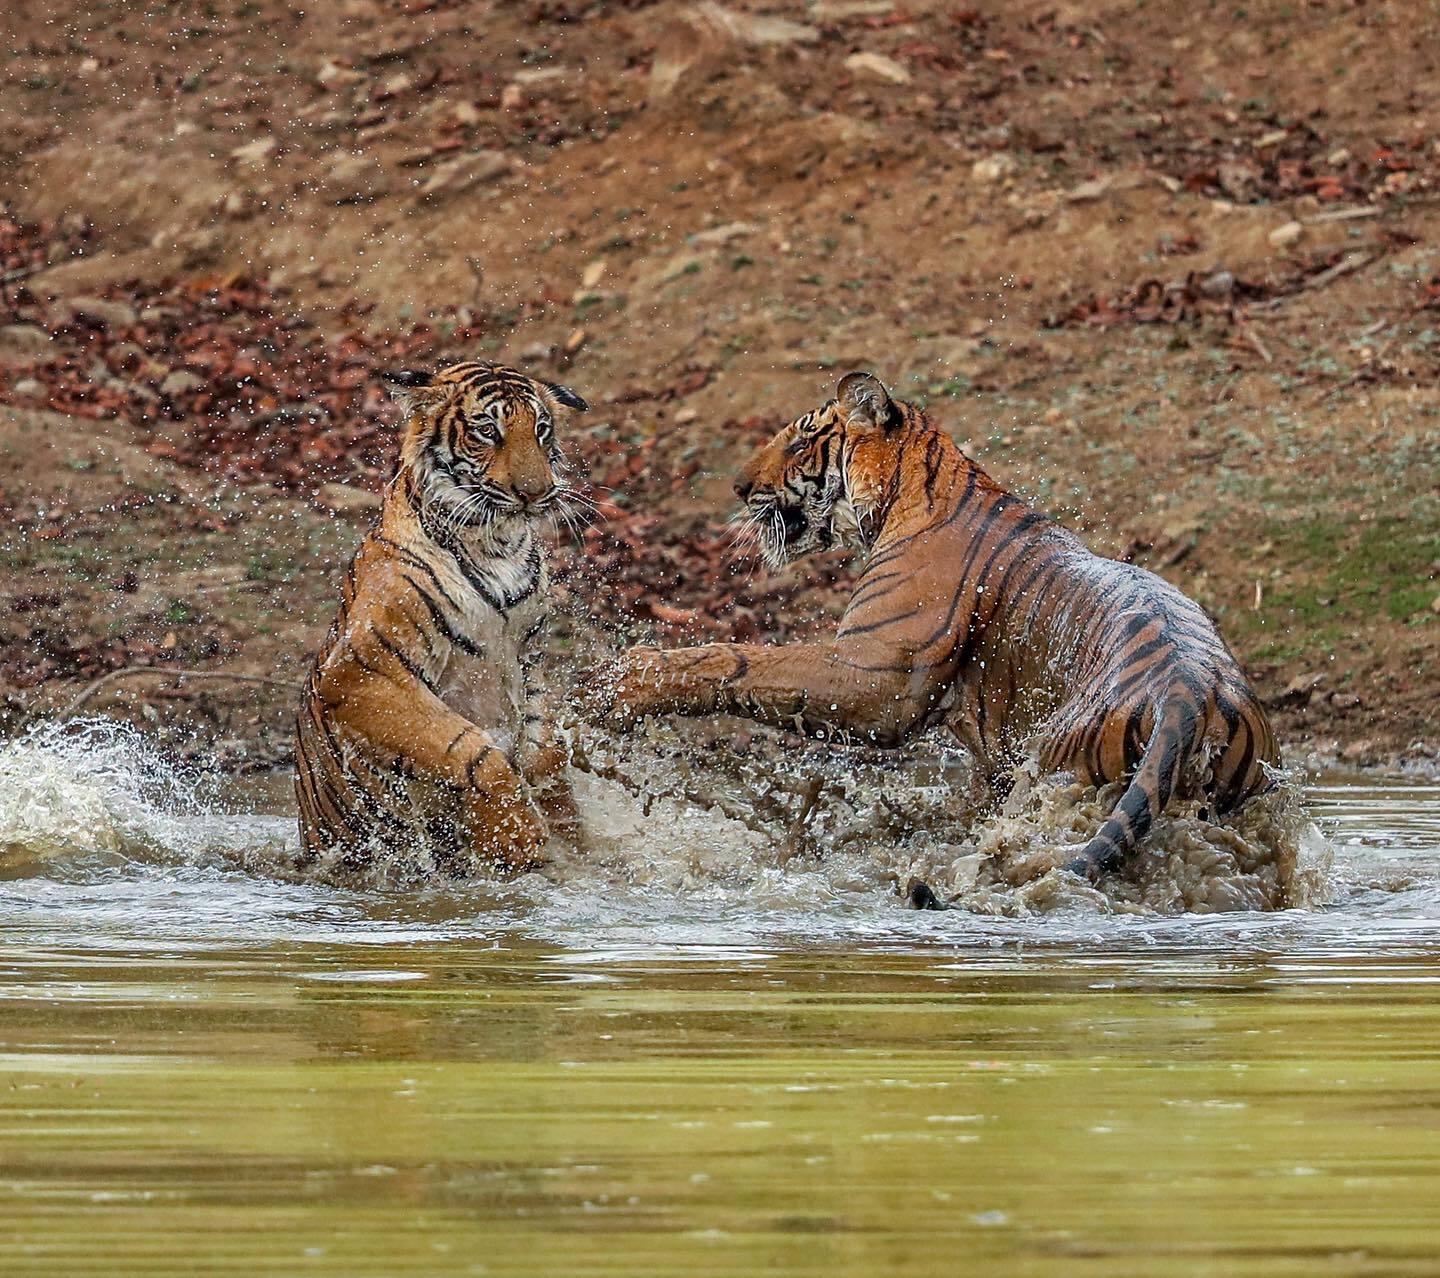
(204, 1071)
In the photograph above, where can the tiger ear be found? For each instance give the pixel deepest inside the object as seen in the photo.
(567, 397)
(410, 387)
(864, 400)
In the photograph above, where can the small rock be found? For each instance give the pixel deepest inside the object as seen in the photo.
(839, 10)
(1285, 236)
(1344, 701)
(593, 273)
(1088, 191)
(1435, 605)
(993, 168)
(539, 75)
(345, 499)
(753, 28)
(179, 382)
(96, 310)
(198, 247)
(1218, 284)
(332, 75)
(253, 154)
(465, 172)
(512, 97)
(723, 234)
(394, 85)
(22, 344)
(353, 179)
(1338, 158)
(466, 113)
(1299, 690)
(28, 387)
(1273, 138)
(1363, 751)
(878, 66)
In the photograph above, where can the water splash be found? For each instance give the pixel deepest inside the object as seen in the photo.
(669, 815)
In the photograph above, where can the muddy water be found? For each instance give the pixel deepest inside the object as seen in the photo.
(206, 1070)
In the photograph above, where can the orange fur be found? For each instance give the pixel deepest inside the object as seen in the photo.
(420, 734)
(974, 611)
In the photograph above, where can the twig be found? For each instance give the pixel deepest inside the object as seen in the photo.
(96, 686)
(477, 270)
(1343, 215)
(25, 272)
(1350, 262)
(1253, 338)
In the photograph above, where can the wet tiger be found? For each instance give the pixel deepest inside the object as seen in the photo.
(419, 737)
(978, 612)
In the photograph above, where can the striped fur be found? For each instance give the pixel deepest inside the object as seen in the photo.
(419, 738)
(978, 612)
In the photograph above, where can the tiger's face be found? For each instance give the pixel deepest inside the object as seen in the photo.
(480, 442)
(805, 489)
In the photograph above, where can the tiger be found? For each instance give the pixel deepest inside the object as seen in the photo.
(419, 737)
(973, 611)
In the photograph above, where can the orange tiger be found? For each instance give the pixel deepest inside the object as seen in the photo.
(978, 612)
(419, 731)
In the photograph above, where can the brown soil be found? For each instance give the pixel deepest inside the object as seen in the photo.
(1168, 270)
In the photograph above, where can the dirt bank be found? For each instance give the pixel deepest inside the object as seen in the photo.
(1170, 272)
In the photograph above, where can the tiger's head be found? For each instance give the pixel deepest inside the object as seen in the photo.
(819, 481)
(480, 447)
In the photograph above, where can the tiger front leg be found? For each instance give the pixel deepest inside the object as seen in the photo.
(392, 715)
(822, 689)
(504, 824)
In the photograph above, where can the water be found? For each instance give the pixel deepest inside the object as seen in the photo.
(720, 1067)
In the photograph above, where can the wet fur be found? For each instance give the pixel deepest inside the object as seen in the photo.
(420, 735)
(978, 612)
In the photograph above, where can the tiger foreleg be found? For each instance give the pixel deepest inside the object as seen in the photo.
(383, 710)
(821, 689)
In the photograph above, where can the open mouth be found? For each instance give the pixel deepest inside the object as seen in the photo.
(793, 523)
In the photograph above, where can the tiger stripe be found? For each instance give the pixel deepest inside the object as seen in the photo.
(419, 729)
(978, 612)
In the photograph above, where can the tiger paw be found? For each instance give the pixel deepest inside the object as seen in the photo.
(509, 833)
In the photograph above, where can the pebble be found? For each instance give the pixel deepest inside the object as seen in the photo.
(22, 344)
(1284, 236)
(253, 154)
(353, 179)
(1363, 751)
(468, 171)
(878, 66)
(723, 234)
(993, 168)
(334, 76)
(179, 381)
(28, 387)
(752, 28)
(95, 309)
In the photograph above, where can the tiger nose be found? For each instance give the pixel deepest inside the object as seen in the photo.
(744, 486)
(535, 492)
